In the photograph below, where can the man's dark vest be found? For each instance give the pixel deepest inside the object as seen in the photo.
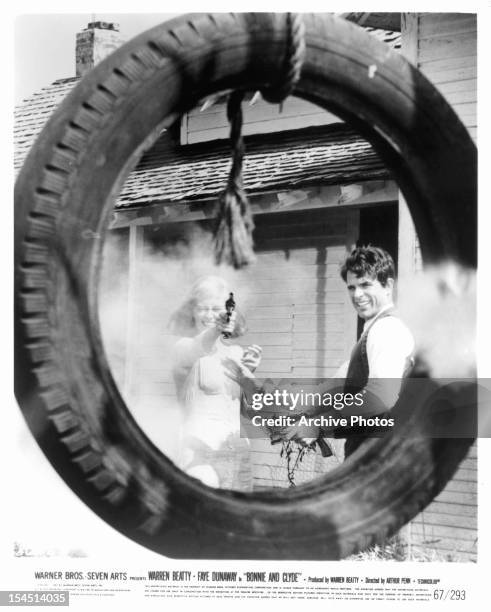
(358, 369)
(357, 378)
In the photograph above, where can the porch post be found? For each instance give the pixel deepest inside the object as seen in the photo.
(135, 244)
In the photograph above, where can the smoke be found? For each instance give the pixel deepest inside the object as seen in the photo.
(139, 344)
(135, 308)
(439, 307)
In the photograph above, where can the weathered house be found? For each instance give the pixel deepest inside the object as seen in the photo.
(316, 189)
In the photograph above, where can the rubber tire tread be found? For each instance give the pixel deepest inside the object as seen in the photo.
(64, 197)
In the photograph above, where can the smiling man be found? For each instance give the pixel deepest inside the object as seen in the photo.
(386, 344)
(383, 353)
(378, 363)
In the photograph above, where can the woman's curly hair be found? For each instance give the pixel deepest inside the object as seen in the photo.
(182, 321)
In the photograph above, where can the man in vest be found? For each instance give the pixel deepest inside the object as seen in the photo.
(382, 355)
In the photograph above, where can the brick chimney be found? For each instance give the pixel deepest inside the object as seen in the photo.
(97, 41)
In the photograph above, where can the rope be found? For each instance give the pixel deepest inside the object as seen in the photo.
(292, 62)
(233, 230)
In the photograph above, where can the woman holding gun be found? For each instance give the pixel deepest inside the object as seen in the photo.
(212, 449)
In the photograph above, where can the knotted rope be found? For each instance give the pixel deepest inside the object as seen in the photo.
(292, 62)
(233, 230)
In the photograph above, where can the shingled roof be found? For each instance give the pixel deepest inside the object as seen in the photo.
(169, 172)
(283, 160)
(31, 116)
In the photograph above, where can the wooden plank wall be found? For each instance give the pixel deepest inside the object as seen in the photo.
(449, 524)
(447, 55)
(444, 47)
(298, 310)
(260, 118)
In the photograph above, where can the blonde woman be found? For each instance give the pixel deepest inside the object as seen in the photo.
(212, 449)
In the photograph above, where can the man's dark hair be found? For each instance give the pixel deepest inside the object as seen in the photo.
(369, 261)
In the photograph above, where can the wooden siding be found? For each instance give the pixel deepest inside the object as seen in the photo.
(443, 46)
(449, 523)
(447, 55)
(299, 312)
(260, 118)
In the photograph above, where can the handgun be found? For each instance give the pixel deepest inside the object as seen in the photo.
(229, 307)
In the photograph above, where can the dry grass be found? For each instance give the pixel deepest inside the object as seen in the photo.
(392, 550)
(395, 549)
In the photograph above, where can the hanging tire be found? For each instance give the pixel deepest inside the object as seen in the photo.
(64, 196)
